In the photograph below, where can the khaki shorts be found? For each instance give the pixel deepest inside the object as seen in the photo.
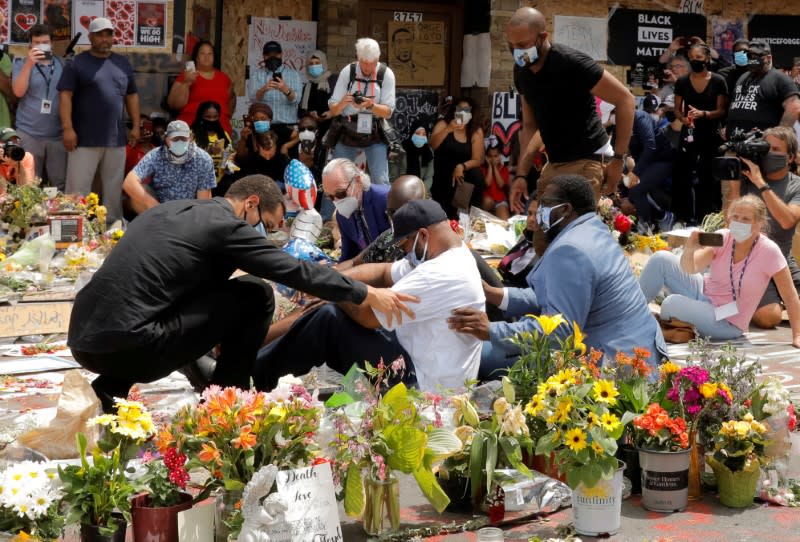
(591, 169)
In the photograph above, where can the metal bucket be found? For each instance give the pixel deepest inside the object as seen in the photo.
(665, 480)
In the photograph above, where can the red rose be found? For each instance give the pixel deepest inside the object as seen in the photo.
(622, 223)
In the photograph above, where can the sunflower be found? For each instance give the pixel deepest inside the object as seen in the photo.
(597, 448)
(668, 368)
(534, 405)
(605, 392)
(609, 421)
(591, 419)
(564, 405)
(564, 378)
(575, 439)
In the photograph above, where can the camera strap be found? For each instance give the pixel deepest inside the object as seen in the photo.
(378, 79)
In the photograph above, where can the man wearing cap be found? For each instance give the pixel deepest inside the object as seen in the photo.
(179, 169)
(763, 97)
(96, 88)
(279, 86)
(438, 269)
(34, 80)
(164, 296)
(17, 172)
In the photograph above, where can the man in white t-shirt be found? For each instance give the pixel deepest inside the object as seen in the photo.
(438, 269)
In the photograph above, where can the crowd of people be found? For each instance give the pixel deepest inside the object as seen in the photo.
(200, 205)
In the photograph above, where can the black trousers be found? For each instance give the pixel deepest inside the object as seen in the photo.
(325, 335)
(236, 316)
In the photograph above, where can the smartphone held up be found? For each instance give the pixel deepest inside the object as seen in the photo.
(708, 239)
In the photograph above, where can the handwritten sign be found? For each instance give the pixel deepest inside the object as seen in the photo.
(413, 105)
(34, 318)
(297, 39)
(313, 514)
(505, 120)
(586, 34)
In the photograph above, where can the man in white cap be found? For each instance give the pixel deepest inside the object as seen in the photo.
(178, 169)
(96, 88)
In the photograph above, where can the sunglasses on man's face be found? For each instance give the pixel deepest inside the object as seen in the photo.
(342, 192)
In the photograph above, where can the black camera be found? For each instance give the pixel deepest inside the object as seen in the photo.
(750, 145)
(358, 97)
(13, 151)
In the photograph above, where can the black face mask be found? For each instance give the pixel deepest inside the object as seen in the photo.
(211, 125)
(273, 63)
(698, 65)
(774, 161)
(755, 65)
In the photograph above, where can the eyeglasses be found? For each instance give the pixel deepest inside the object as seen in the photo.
(342, 192)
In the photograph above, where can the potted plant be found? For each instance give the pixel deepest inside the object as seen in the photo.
(739, 446)
(542, 355)
(30, 495)
(664, 444)
(380, 436)
(155, 512)
(583, 434)
(232, 433)
(98, 493)
(492, 443)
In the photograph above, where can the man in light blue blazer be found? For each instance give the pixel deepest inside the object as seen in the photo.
(583, 275)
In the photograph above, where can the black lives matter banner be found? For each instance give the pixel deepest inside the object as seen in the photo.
(642, 36)
(780, 32)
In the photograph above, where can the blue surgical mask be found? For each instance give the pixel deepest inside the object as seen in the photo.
(419, 140)
(179, 148)
(412, 257)
(316, 70)
(261, 126)
(740, 58)
(525, 57)
(543, 217)
(740, 231)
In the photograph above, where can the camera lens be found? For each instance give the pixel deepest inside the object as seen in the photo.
(14, 151)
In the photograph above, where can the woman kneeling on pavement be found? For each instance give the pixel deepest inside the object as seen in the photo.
(721, 302)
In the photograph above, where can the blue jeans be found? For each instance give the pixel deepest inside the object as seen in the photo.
(686, 301)
(377, 159)
(654, 177)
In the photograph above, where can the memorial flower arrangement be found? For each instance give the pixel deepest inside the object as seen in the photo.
(582, 429)
(695, 397)
(30, 495)
(631, 374)
(94, 490)
(740, 442)
(389, 435)
(22, 206)
(619, 224)
(492, 443)
(656, 430)
(232, 433)
(165, 478)
(772, 399)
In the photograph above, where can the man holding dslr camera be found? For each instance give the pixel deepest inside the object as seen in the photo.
(772, 181)
(16, 165)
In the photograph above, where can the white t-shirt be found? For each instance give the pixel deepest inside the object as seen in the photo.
(442, 357)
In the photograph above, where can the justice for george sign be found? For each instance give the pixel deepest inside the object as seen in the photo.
(651, 32)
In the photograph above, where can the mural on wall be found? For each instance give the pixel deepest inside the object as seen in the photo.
(416, 52)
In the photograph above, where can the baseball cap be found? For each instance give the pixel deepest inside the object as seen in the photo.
(650, 103)
(272, 47)
(177, 128)
(414, 215)
(100, 24)
(759, 48)
(7, 133)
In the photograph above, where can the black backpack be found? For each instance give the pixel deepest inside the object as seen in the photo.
(378, 79)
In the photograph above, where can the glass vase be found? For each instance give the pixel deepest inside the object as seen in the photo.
(382, 507)
(696, 468)
(224, 508)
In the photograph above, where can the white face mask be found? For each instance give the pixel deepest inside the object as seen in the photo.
(463, 117)
(346, 206)
(525, 57)
(741, 232)
(179, 148)
(307, 135)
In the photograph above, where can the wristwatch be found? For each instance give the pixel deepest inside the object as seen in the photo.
(765, 188)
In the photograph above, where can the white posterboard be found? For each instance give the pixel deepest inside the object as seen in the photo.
(297, 39)
(586, 34)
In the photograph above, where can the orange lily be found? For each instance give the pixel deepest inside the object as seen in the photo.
(210, 453)
(246, 439)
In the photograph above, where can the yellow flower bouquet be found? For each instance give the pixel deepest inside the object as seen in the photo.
(582, 429)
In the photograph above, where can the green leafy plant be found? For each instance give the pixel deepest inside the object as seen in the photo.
(739, 442)
(388, 435)
(492, 443)
(164, 479)
(93, 491)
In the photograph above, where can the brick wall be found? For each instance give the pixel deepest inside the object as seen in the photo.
(337, 31)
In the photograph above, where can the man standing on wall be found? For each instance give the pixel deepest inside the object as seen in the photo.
(558, 85)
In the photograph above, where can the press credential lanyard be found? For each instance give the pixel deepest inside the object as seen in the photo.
(46, 103)
(732, 308)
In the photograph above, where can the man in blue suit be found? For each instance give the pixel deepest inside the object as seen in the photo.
(360, 205)
(583, 275)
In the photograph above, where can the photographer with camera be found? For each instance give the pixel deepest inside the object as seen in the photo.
(16, 165)
(772, 181)
(364, 94)
(742, 262)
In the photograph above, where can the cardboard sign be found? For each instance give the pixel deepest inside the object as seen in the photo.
(506, 108)
(313, 514)
(34, 318)
(297, 38)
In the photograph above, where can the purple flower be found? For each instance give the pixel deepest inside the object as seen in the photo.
(693, 410)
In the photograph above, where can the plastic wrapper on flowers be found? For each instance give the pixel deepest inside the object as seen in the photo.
(539, 494)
